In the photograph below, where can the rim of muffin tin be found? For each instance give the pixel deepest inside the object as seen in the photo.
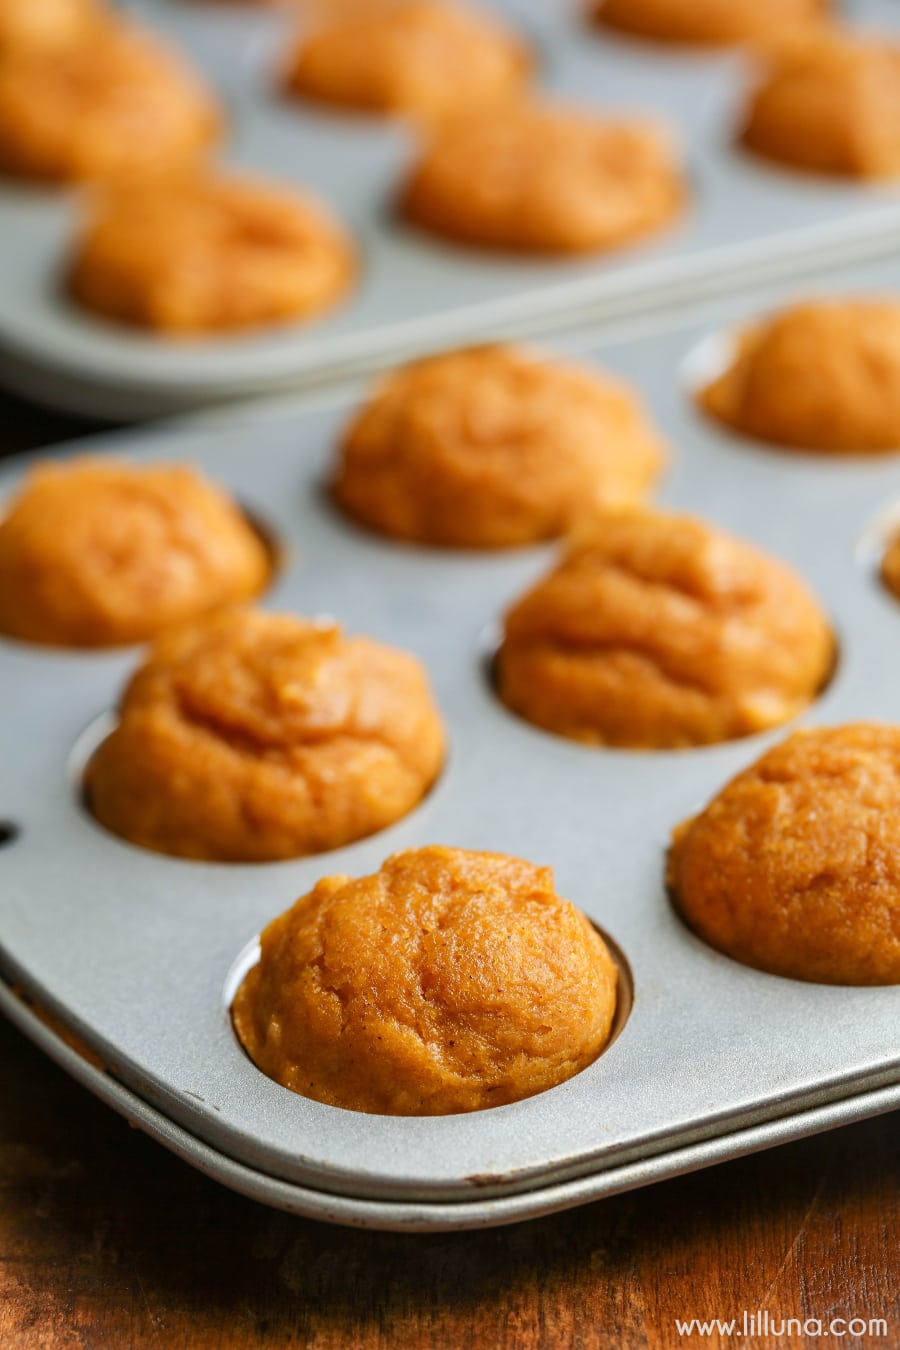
(547, 1109)
(424, 1216)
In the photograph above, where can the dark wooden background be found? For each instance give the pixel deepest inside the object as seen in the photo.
(107, 1242)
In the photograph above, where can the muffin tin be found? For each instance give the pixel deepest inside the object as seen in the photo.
(121, 963)
(745, 219)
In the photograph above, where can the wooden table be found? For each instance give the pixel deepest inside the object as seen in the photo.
(107, 1242)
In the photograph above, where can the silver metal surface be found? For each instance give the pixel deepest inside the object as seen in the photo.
(135, 951)
(416, 292)
(422, 1217)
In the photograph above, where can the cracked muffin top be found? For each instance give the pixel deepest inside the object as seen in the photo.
(658, 631)
(423, 57)
(252, 736)
(794, 867)
(99, 553)
(121, 103)
(828, 101)
(545, 179)
(821, 375)
(714, 22)
(492, 447)
(208, 253)
(448, 981)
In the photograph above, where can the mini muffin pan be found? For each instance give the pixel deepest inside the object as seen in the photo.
(745, 219)
(121, 963)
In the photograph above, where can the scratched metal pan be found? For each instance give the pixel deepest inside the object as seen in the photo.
(134, 956)
(414, 291)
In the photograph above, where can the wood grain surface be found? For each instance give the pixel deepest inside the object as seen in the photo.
(107, 1242)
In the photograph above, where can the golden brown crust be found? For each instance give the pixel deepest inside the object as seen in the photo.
(71, 113)
(829, 102)
(823, 375)
(541, 179)
(97, 552)
(658, 631)
(208, 254)
(252, 736)
(26, 25)
(422, 57)
(795, 866)
(714, 22)
(491, 447)
(448, 981)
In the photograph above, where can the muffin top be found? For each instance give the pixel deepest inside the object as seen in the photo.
(821, 375)
(492, 447)
(828, 100)
(253, 736)
(659, 631)
(449, 981)
(545, 179)
(794, 867)
(29, 24)
(424, 57)
(97, 552)
(712, 22)
(198, 253)
(122, 102)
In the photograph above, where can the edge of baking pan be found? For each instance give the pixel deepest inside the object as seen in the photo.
(67, 387)
(428, 1216)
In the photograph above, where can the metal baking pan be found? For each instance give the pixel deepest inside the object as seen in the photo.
(746, 219)
(135, 954)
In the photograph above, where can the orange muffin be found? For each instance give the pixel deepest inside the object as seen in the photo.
(448, 981)
(659, 631)
(830, 103)
(408, 56)
(29, 24)
(490, 447)
(209, 254)
(890, 565)
(250, 737)
(714, 22)
(794, 867)
(96, 552)
(821, 375)
(120, 102)
(545, 180)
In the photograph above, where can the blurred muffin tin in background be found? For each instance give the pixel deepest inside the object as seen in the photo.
(745, 220)
(135, 954)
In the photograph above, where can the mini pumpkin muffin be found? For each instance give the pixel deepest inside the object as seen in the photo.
(96, 552)
(659, 631)
(209, 254)
(491, 447)
(829, 102)
(250, 736)
(715, 22)
(794, 867)
(121, 101)
(448, 981)
(424, 57)
(29, 24)
(545, 180)
(822, 375)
